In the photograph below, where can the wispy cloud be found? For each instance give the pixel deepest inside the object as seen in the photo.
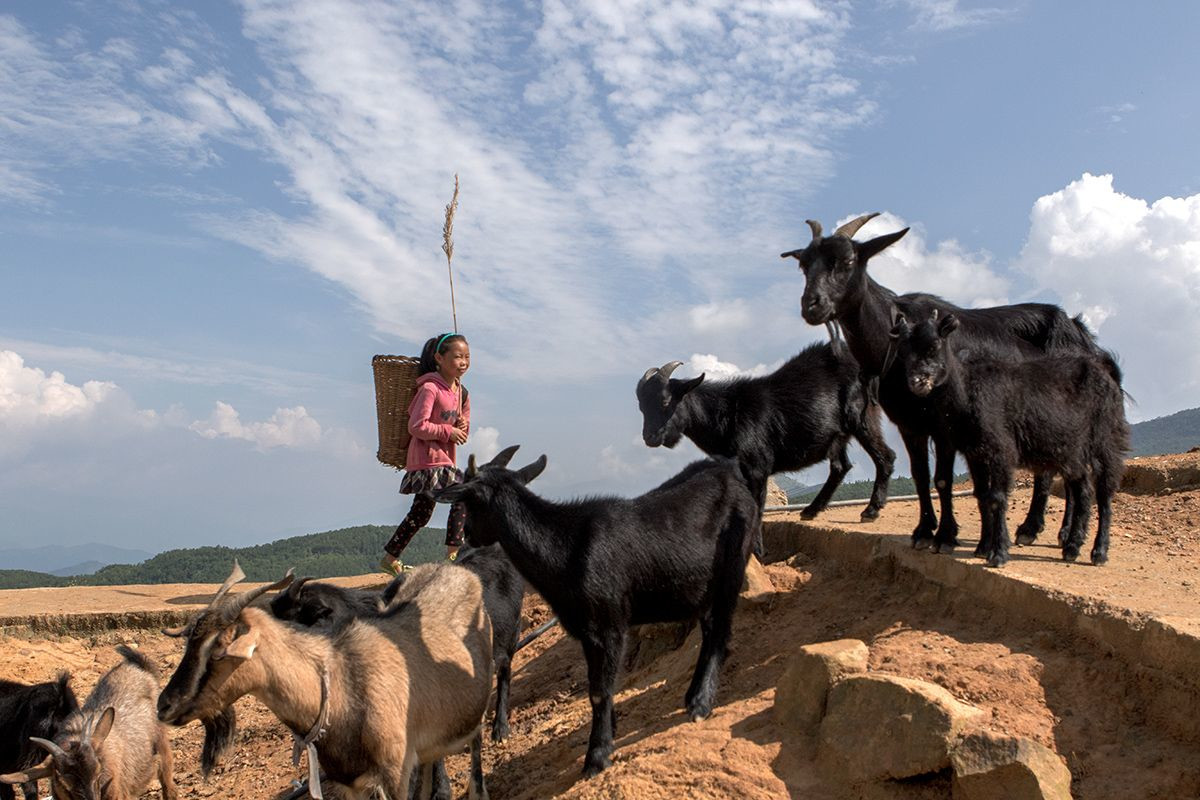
(948, 15)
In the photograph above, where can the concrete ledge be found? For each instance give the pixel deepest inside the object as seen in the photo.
(1163, 659)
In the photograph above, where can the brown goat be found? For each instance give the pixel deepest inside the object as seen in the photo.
(106, 749)
(376, 697)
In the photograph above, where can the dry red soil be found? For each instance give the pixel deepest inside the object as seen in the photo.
(1033, 680)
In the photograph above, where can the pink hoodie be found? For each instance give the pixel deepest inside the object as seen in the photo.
(431, 417)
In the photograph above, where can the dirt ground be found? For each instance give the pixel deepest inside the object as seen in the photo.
(1032, 681)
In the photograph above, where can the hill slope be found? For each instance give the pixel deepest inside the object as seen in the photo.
(349, 551)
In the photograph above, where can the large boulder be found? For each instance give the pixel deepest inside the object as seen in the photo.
(991, 766)
(879, 727)
(808, 677)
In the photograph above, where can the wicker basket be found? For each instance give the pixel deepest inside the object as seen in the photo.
(395, 383)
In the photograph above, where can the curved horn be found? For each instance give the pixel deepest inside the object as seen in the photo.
(246, 598)
(234, 576)
(294, 590)
(649, 374)
(669, 367)
(50, 747)
(850, 228)
(176, 632)
(933, 316)
(816, 229)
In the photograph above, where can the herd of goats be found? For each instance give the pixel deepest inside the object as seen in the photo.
(379, 686)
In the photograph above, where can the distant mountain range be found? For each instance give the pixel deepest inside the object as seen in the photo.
(75, 559)
(1176, 433)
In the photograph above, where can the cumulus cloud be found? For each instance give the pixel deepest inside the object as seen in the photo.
(1132, 267)
(485, 443)
(29, 396)
(287, 427)
(946, 269)
(948, 15)
(716, 369)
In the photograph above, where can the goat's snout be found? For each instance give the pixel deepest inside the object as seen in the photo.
(921, 385)
(815, 309)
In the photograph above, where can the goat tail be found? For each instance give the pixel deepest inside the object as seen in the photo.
(138, 659)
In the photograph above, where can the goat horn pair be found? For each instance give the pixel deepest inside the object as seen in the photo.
(50, 747)
(850, 228)
(294, 589)
(246, 598)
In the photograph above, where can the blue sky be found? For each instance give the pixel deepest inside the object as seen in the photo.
(213, 215)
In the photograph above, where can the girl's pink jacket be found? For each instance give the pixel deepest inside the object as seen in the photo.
(431, 416)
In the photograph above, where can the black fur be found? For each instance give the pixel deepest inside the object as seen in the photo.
(802, 413)
(838, 289)
(30, 710)
(603, 564)
(1060, 413)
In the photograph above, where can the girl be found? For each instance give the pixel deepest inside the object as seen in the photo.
(439, 419)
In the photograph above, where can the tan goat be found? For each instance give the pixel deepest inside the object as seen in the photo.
(106, 749)
(409, 686)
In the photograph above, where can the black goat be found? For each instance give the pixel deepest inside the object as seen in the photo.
(603, 564)
(503, 594)
(838, 290)
(324, 604)
(30, 710)
(802, 413)
(1060, 413)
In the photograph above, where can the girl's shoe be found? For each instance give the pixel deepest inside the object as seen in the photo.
(392, 568)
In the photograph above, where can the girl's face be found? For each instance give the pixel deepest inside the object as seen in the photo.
(454, 361)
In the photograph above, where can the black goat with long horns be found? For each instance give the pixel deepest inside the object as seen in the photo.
(838, 290)
(802, 413)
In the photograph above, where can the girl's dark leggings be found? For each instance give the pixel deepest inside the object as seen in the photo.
(419, 516)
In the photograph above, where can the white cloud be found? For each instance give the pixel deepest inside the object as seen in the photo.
(716, 369)
(1133, 268)
(947, 270)
(484, 443)
(30, 396)
(947, 15)
(287, 427)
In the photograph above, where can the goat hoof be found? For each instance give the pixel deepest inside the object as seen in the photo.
(499, 733)
(945, 548)
(809, 513)
(699, 713)
(1062, 538)
(593, 766)
(1099, 559)
(1026, 538)
(1070, 554)
(869, 514)
(996, 561)
(923, 543)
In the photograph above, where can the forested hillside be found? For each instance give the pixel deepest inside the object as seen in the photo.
(349, 551)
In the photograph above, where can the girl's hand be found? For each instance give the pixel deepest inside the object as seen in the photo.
(460, 423)
(458, 436)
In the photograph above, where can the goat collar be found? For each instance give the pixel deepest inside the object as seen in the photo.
(309, 742)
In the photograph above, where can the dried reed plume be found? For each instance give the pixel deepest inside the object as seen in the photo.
(448, 246)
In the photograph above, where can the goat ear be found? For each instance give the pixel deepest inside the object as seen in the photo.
(36, 773)
(872, 247)
(531, 471)
(452, 494)
(504, 456)
(900, 328)
(242, 648)
(947, 326)
(102, 727)
(680, 388)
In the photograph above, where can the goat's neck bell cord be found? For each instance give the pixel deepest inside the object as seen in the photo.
(309, 742)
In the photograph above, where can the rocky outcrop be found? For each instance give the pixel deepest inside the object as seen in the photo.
(991, 766)
(808, 677)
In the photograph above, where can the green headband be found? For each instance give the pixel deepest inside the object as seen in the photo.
(438, 348)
